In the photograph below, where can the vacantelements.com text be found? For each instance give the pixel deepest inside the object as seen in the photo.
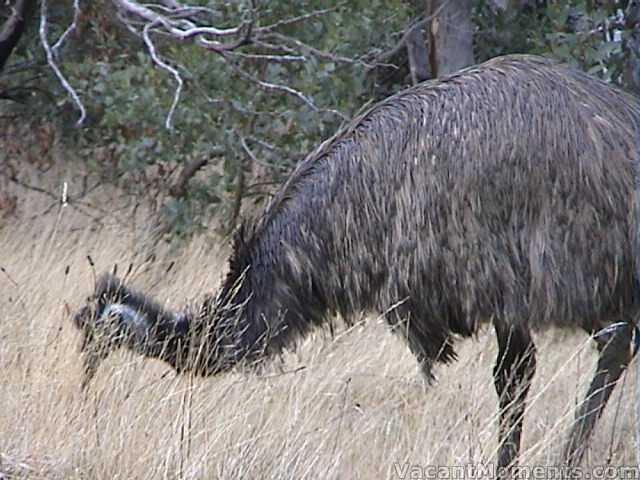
(408, 471)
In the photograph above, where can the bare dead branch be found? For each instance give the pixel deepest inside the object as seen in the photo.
(385, 56)
(269, 58)
(52, 64)
(272, 148)
(301, 46)
(276, 87)
(187, 11)
(247, 150)
(179, 188)
(165, 66)
(299, 18)
(69, 30)
(271, 87)
(176, 20)
(60, 199)
(13, 178)
(276, 47)
(255, 159)
(229, 47)
(183, 29)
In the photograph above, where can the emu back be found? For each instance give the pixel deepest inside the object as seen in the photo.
(501, 194)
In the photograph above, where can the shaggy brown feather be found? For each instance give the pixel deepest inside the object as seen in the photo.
(501, 192)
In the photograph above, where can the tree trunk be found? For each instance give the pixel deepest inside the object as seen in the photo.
(450, 35)
(418, 53)
(13, 28)
(632, 46)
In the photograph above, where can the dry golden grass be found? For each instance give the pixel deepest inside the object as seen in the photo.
(350, 407)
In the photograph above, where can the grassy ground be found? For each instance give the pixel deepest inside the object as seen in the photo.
(350, 407)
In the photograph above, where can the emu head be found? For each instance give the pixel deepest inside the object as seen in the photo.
(207, 340)
(114, 316)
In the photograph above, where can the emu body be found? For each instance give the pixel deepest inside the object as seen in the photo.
(502, 194)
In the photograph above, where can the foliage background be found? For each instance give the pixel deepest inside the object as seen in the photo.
(250, 138)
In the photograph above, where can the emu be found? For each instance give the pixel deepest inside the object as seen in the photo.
(501, 194)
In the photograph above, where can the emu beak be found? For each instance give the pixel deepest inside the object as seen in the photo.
(93, 351)
(89, 349)
(90, 363)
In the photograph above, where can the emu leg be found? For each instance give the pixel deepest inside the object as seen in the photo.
(512, 374)
(614, 357)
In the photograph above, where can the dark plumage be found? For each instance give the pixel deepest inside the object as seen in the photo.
(503, 193)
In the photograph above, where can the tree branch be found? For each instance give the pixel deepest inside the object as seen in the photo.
(183, 28)
(165, 66)
(299, 18)
(69, 30)
(52, 64)
(179, 188)
(172, 18)
(273, 87)
(384, 57)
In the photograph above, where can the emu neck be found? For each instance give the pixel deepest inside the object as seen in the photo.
(271, 300)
